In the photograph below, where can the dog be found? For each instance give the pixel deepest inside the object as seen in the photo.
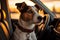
(28, 19)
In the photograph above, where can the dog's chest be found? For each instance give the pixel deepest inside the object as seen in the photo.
(19, 35)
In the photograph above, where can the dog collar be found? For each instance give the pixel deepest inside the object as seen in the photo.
(23, 29)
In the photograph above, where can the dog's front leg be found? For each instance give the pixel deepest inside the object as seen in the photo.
(33, 36)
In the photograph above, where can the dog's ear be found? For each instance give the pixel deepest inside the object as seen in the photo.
(22, 7)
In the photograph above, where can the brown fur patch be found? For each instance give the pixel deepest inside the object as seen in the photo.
(27, 16)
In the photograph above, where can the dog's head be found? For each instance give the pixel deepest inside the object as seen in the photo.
(29, 13)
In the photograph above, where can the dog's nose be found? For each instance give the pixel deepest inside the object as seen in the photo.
(39, 18)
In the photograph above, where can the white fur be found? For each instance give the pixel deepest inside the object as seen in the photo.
(28, 2)
(19, 35)
(26, 25)
(36, 14)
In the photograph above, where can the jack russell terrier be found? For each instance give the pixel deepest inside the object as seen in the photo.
(28, 19)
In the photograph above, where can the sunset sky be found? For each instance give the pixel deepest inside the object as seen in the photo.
(48, 3)
(48, 0)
